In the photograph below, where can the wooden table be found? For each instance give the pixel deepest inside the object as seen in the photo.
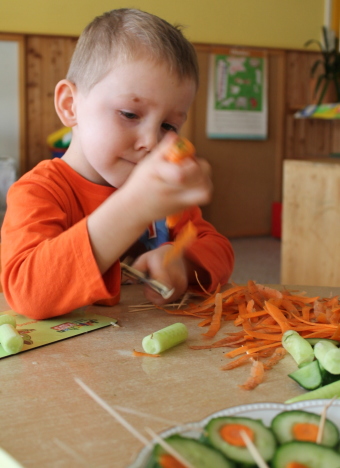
(47, 420)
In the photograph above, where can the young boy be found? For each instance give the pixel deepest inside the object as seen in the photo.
(69, 221)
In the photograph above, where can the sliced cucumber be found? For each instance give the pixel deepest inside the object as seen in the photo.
(299, 348)
(328, 391)
(326, 376)
(328, 354)
(308, 377)
(283, 424)
(195, 452)
(264, 439)
(307, 454)
(313, 341)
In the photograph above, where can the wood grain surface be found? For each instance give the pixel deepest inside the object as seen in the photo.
(49, 421)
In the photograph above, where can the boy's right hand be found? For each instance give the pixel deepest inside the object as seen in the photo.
(155, 189)
(160, 188)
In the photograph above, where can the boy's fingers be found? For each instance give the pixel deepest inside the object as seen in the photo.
(166, 143)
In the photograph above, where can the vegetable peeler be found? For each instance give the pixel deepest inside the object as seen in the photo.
(160, 288)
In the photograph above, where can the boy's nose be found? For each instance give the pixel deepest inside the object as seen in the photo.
(147, 140)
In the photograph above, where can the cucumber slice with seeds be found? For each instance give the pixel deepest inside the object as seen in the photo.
(195, 452)
(263, 438)
(308, 377)
(284, 423)
(309, 455)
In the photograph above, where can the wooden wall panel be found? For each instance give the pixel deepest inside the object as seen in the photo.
(307, 138)
(246, 173)
(300, 86)
(48, 59)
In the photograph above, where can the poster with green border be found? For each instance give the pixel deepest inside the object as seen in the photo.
(239, 84)
(37, 333)
(237, 97)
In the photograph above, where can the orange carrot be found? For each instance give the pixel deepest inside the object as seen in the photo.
(256, 376)
(262, 314)
(336, 334)
(216, 319)
(140, 353)
(179, 151)
(307, 432)
(168, 461)
(277, 316)
(294, 464)
(231, 433)
(279, 354)
(236, 362)
(184, 239)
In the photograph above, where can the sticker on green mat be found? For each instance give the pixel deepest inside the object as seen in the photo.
(42, 332)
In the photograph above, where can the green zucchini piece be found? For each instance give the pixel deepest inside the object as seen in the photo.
(308, 454)
(9, 319)
(166, 338)
(282, 426)
(313, 341)
(308, 376)
(264, 439)
(299, 348)
(326, 376)
(327, 392)
(328, 354)
(10, 339)
(195, 452)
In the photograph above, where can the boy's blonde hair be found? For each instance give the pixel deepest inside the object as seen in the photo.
(129, 34)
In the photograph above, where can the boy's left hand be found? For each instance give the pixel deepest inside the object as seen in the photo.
(174, 275)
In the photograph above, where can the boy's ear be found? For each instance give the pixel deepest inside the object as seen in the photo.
(64, 102)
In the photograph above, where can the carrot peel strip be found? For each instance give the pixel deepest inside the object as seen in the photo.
(184, 239)
(141, 354)
(216, 319)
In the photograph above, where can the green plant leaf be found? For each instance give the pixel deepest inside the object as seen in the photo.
(323, 92)
(329, 63)
(315, 66)
(318, 83)
(325, 37)
(314, 41)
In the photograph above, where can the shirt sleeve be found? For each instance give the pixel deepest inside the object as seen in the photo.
(48, 268)
(211, 250)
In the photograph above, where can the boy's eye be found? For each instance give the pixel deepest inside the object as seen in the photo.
(169, 128)
(129, 115)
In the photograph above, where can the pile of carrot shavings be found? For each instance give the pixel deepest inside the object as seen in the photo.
(263, 314)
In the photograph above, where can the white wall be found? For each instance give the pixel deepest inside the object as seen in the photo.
(9, 100)
(9, 117)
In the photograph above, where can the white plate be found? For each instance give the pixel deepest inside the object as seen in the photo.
(264, 411)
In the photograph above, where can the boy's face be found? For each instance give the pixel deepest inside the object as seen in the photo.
(123, 117)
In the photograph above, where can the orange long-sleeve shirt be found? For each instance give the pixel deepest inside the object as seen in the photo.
(48, 268)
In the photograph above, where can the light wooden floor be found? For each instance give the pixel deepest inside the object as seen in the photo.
(258, 259)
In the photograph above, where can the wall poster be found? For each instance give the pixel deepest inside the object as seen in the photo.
(237, 96)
